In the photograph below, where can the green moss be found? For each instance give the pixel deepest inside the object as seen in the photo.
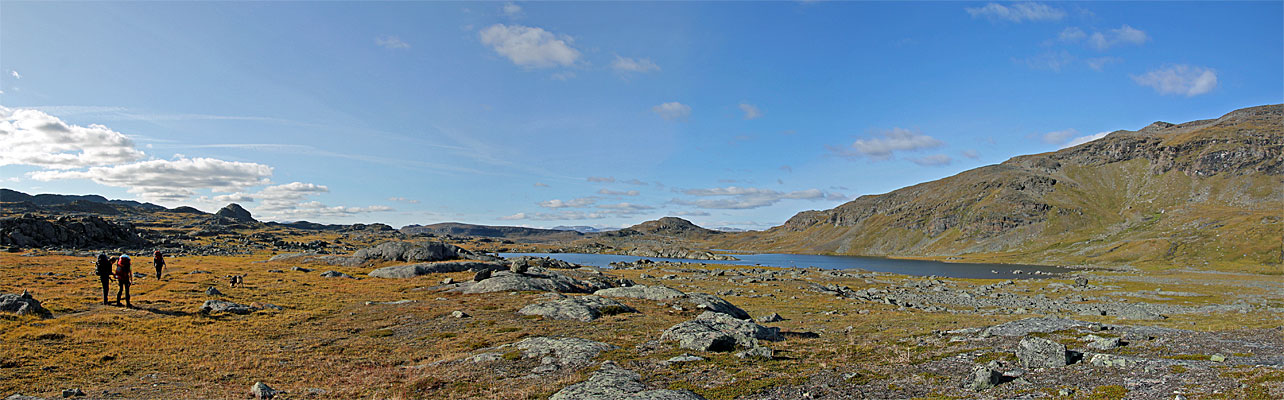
(1109, 392)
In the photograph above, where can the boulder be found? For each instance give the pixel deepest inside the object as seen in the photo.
(414, 270)
(581, 308)
(235, 212)
(701, 301)
(225, 306)
(76, 392)
(212, 291)
(1136, 312)
(20, 396)
(538, 280)
(714, 331)
(982, 377)
(1110, 360)
(554, 353)
(415, 252)
(773, 317)
(1027, 326)
(335, 274)
(1036, 352)
(1102, 343)
(542, 262)
(482, 275)
(261, 390)
(610, 382)
(23, 304)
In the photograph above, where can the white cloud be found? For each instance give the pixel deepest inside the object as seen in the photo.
(1072, 34)
(739, 198)
(1183, 80)
(529, 47)
(15, 74)
(882, 148)
(391, 42)
(287, 196)
(609, 192)
(403, 200)
(692, 213)
(1123, 35)
(170, 179)
(672, 111)
(933, 160)
(314, 209)
(1099, 63)
(972, 154)
(639, 65)
(635, 182)
(1058, 137)
(511, 10)
(751, 111)
(1018, 12)
(601, 179)
(573, 203)
(1085, 139)
(31, 137)
(625, 207)
(237, 197)
(560, 216)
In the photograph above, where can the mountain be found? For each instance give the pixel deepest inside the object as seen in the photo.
(235, 212)
(1201, 192)
(505, 232)
(14, 196)
(667, 226)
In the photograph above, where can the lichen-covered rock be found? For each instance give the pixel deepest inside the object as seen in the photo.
(23, 304)
(714, 331)
(581, 308)
(413, 270)
(700, 301)
(261, 390)
(335, 274)
(982, 377)
(537, 280)
(1036, 352)
(225, 306)
(614, 383)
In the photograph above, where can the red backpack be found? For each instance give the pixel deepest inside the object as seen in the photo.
(122, 268)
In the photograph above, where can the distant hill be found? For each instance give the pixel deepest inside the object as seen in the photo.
(582, 229)
(506, 232)
(1196, 193)
(14, 196)
(668, 226)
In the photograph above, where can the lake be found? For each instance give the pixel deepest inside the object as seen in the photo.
(896, 266)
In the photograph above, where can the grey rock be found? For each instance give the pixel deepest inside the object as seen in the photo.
(459, 314)
(714, 331)
(225, 306)
(759, 352)
(448, 281)
(261, 390)
(1102, 343)
(610, 382)
(1035, 352)
(1217, 358)
(1110, 360)
(301, 269)
(20, 396)
(537, 280)
(235, 212)
(67, 393)
(1137, 312)
(482, 275)
(656, 293)
(684, 358)
(982, 377)
(1027, 326)
(212, 291)
(414, 270)
(414, 252)
(555, 353)
(23, 304)
(194, 272)
(581, 308)
(518, 268)
(335, 274)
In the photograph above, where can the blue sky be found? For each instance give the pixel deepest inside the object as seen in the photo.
(730, 114)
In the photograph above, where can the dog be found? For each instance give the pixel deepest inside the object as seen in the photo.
(236, 280)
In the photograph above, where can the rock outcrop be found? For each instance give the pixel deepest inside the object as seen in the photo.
(88, 232)
(713, 331)
(413, 270)
(580, 308)
(235, 212)
(700, 301)
(23, 304)
(610, 382)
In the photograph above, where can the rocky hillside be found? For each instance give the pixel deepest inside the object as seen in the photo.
(515, 233)
(1201, 192)
(667, 226)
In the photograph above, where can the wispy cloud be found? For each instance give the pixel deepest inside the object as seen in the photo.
(1123, 35)
(609, 192)
(934, 160)
(751, 111)
(530, 47)
(1185, 80)
(972, 154)
(634, 182)
(672, 111)
(1084, 139)
(634, 65)
(740, 198)
(1058, 137)
(1050, 60)
(888, 143)
(1017, 12)
(511, 10)
(572, 203)
(601, 179)
(391, 42)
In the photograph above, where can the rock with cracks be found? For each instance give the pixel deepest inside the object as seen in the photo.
(413, 270)
(581, 308)
(1036, 352)
(713, 331)
(211, 306)
(23, 304)
(700, 301)
(614, 383)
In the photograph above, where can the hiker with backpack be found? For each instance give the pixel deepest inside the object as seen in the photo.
(159, 261)
(102, 268)
(123, 274)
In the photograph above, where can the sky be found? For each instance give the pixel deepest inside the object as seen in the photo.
(604, 114)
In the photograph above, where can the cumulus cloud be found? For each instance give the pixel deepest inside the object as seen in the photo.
(237, 197)
(739, 198)
(529, 47)
(1085, 139)
(672, 111)
(1058, 137)
(572, 203)
(1185, 80)
(31, 137)
(511, 10)
(287, 196)
(639, 65)
(601, 179)
(391, 42)
(609, 192)
(933, 160)
(1017, 12)
(1123, 35)
(171, 179)
(891, 141)
(751, 111)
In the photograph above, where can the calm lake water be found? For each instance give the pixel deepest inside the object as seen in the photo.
(896, 266)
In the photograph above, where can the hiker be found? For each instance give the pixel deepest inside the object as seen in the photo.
(103, 269)
(123, 274)
(159, 261)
